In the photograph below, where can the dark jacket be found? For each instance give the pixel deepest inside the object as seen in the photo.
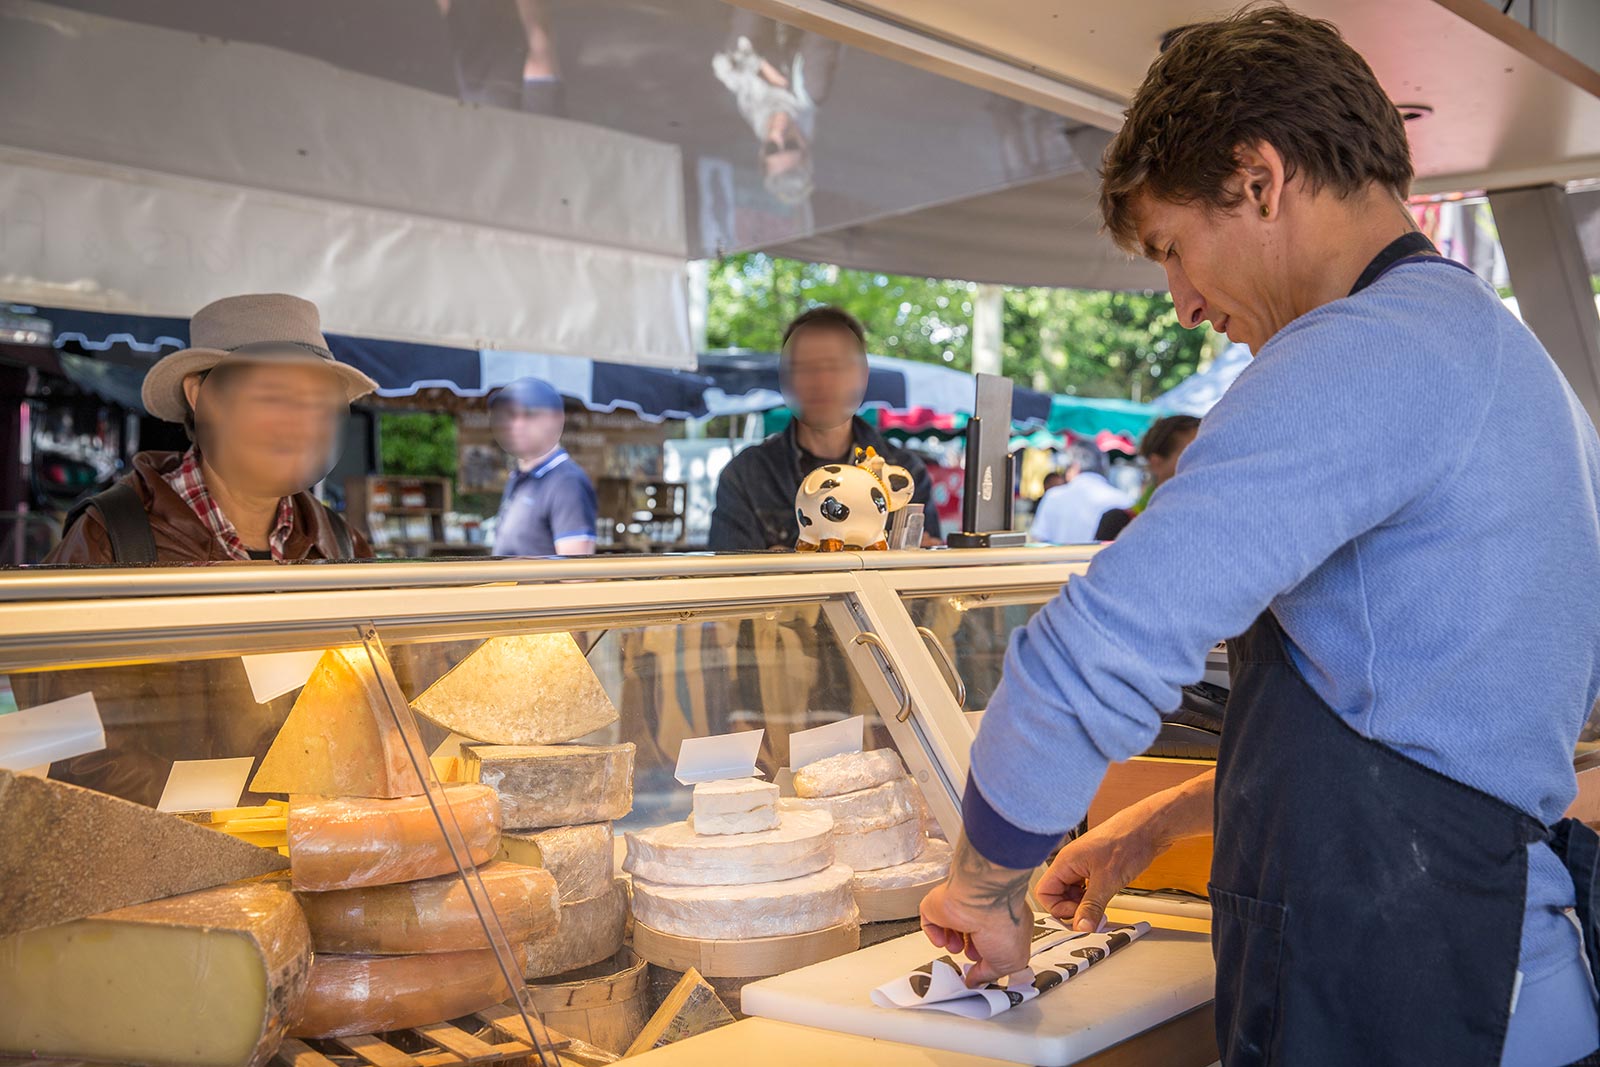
(181, 536)
(755, 494)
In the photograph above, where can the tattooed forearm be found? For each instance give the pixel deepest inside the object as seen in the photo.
(982, 884)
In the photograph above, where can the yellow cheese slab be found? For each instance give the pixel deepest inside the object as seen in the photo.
(531, 689)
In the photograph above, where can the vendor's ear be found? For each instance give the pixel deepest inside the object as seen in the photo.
(1261, 179)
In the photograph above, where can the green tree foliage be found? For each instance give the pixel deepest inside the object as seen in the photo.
(1086, 342)
(417, 443)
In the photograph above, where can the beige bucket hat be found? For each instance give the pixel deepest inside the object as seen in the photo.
(256, 328)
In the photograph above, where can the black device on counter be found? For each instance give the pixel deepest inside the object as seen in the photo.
(987, 498)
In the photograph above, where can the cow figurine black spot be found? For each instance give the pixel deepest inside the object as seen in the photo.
(844, 507)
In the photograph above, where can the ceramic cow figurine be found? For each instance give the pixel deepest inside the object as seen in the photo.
(844, 506)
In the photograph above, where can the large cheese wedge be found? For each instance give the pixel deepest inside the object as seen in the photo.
(931, 864)
(554, 785)
(340, 739)
(535, 689)
(847, 772)
(884, 847)
(736, 912)
(211, 978)
(371, 994)
(590, 931)
(433, 915)
(67, 852)
(347, 842)
(734, 806)
(865, 809)
(582, 858)
(675, 855)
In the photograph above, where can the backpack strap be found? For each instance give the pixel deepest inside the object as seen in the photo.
(127, 524)
(341, 533)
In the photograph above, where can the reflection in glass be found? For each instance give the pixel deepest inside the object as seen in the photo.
(974, 631)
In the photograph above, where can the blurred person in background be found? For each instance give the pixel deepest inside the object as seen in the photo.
(1069, 513)
(1160, 448)
(548, 507)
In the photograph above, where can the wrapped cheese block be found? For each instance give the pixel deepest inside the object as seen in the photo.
(865, 809)
(533, 689)
(371, 994)
(590, 930)
(848, 772)
(208, 978)
(734, 806)
(554, 785)
(433, 915)
(67, 852)
(874, 849)
(341, 738)
(346, 842)
(675, 855)
(931, 864)
(735, 912)
(582, 859)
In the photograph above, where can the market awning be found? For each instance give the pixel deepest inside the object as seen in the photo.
(1089, 416)
(91, 343)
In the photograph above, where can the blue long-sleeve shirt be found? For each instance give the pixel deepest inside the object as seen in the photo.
(1405, 478)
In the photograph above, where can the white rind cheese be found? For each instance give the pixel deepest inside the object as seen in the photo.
(581, 858)
(735, 806)
(848, 772)
(675, 855)
(737, 822)
(865, 809)
(877, 849)
(554, 785)
(736, 912)
(932, 864)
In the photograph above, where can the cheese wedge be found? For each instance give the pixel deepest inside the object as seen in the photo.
(433, 915)
(372, 994)
(532, 689)
(347, 842)
(554, 785)
(581, 858)
(209, 978)
(67, 852)
(340, 739)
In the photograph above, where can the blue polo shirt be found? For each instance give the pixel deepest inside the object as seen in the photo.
(542, 505)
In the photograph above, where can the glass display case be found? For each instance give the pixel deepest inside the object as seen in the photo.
(273, 704)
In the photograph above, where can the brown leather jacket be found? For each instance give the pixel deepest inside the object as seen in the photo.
(176, 709)
(180, 535)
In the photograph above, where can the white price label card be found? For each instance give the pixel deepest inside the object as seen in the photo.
(273, 674)
(42, 734)
(205, 784)
(820, 742)
(710, 759)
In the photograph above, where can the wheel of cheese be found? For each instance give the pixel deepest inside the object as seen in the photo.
(875, 849)
(346, 842)
(590, 931)
(433, 915)
(896, 892)
(675, 855)
(730, 912)
(749, 958)
(554, 785)
(848, 772)
(865, 809)
(372, 994)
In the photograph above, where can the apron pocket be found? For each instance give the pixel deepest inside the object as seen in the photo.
(1247, 941)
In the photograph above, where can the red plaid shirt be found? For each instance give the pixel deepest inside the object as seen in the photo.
(188, 483)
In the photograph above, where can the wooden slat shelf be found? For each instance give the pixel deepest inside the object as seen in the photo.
(494, 1036)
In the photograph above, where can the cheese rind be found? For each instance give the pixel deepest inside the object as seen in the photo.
(848, 772)
(930, 864)
(347, 842)
(865, 809)
(341, 738)
(876, 849)
(736, 912)
(675, 855)
(739, 822)
(734, 806)
(554, 785)
(582, 859)
(207, 978)
(67, 852)
(433, 915)
(590, 931)
(531, 689)
(371, 994)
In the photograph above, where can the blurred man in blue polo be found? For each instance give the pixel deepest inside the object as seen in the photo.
(549, 505)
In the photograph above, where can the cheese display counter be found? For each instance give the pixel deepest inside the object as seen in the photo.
(456, 812)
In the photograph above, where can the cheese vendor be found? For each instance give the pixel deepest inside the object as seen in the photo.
(1392, 882)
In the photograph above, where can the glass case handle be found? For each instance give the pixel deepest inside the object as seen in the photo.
(867, 637)
(947, 665)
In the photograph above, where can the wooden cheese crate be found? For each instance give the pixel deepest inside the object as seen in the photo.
(495, 1036)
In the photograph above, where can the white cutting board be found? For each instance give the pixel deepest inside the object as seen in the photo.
(1159, 977)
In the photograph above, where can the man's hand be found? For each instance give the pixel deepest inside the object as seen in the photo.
(1090, 870)
(981, 910)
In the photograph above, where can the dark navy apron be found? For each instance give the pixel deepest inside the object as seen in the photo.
(1366, 910)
